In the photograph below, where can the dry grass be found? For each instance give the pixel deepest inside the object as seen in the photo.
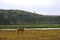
(30, 35)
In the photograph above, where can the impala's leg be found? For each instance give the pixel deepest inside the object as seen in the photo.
(22, 31)
(18, 31)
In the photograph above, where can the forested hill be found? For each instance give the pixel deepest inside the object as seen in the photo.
(24, 17)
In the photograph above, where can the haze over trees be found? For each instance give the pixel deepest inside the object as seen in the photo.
(23, 17)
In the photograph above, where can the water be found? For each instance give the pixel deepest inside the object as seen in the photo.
(34, 29)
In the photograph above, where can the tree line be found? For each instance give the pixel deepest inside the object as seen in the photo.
(12, 17)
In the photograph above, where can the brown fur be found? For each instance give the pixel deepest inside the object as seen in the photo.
(21, 30)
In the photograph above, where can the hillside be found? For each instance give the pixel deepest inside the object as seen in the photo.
(24, 17)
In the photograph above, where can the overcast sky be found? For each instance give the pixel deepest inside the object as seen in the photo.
(45, 7)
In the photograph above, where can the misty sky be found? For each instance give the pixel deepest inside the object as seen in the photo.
(45, 7)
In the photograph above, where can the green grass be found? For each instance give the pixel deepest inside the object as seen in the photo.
(30, 26)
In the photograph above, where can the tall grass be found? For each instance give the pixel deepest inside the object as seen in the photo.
(30, 35)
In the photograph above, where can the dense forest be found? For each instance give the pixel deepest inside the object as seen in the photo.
(12, 17)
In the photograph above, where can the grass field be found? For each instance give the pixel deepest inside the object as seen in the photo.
(30, 26)
(30, 35)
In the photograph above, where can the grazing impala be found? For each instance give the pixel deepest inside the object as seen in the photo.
(20, 30)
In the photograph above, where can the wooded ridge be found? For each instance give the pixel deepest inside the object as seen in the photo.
(12, 17)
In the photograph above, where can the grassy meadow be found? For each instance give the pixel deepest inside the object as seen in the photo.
(30, 26)
(30, 35)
